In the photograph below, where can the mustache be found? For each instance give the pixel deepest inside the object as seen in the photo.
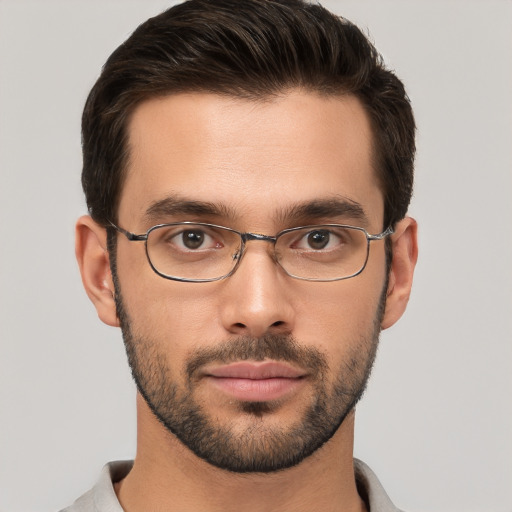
(277, 347)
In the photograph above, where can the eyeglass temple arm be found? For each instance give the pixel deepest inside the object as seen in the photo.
(131, 236)
(382, 235)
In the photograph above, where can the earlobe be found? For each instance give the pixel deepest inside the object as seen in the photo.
(405, 255)
(93, 260)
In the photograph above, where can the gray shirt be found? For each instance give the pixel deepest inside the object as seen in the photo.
(102, 497)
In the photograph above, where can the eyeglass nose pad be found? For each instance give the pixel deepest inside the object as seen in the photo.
(236, 255)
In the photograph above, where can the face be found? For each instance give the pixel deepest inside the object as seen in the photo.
(257, 371)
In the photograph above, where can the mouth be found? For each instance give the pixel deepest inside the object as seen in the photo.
(253, 381)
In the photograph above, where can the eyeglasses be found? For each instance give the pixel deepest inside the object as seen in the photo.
(198, 252)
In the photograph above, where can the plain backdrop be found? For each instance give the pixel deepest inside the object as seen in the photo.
(436, 421)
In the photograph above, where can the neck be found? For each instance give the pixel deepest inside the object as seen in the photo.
(168, 476)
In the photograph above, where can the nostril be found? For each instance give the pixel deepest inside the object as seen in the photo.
(279, 323)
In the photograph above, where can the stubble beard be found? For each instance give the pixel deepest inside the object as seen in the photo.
(260, 447)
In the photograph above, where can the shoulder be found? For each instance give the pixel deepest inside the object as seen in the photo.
(370, 489)
(82, 504)
(102, 497)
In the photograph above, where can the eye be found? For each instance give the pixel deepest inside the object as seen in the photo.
(318, 240)
(194, 239)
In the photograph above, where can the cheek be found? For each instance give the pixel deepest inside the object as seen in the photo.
(337, 316)
(176, 317)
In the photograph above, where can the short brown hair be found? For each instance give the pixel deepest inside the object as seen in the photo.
(249, 49)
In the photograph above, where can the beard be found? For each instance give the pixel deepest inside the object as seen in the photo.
(260, 446)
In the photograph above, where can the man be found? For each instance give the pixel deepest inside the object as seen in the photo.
(247, 168)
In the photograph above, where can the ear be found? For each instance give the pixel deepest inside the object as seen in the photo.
(405, 255)
(93, 260)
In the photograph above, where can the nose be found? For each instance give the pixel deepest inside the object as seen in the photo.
(256, 299)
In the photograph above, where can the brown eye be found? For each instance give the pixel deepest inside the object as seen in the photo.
(318, 239)
(193, 239)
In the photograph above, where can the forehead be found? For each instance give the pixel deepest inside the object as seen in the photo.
(253, 158)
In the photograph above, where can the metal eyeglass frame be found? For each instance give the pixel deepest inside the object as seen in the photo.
(246, 237)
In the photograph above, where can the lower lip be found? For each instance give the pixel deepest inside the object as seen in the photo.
(256, 390)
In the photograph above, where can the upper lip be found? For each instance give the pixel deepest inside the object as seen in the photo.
(255, 370)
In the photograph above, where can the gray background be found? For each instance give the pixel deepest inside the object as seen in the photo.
(436, 422)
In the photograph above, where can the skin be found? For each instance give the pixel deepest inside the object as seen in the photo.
(256, 159)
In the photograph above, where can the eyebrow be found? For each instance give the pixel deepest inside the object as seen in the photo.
(327, 209)
(176, 205)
